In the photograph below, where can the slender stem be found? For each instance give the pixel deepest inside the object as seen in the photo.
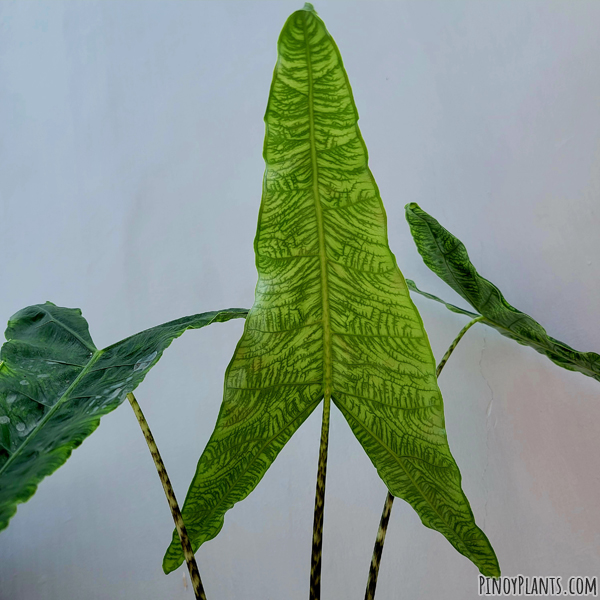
(166, 483)
(378, 549)
(455, 343)
(317, 544)
(389, 501)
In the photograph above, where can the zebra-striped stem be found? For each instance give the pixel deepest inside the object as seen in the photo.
(378, 549)
(166, 483)
(317, 544)
(389, 501)
(455, 343)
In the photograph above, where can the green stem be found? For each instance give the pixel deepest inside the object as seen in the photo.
(317, 545)
(455, 343)
(378, 549)
(166, 483)
(389, 501)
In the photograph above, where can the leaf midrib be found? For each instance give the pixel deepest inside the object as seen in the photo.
(451, 272)
(491, 322)
(87, 368)
(397, 458)
(327, 360)
(69, 330)
(51, 412)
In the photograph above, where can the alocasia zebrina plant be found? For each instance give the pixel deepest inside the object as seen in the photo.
(332, 319)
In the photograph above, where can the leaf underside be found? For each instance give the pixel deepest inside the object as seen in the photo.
(332, 316)
(447, 257)
(412, 286)
(55, 385)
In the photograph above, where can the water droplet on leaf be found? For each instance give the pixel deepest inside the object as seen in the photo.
(145, 362)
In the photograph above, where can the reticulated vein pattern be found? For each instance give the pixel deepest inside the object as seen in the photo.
(332, 316)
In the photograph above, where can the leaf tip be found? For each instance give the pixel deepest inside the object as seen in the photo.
(493, 572)
(166, 567)
(173, 557)
(308, 7)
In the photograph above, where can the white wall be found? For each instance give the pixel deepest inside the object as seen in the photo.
(130, 181)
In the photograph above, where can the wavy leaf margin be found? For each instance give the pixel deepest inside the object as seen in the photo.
(448, 258)
(55, 385)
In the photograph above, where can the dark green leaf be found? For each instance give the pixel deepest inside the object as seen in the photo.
(447, 257)
(55, 385)
(332, 316)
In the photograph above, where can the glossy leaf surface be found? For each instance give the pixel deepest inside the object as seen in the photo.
(447, 257)
(332, 316)
(55, 385)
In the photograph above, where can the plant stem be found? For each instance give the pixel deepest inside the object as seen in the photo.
(389, 501)
(378, 549)
(317, 545)
(455, 343)
(166, 483)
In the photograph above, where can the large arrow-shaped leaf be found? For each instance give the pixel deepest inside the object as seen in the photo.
(55, 385)
(447, 257)
(332, 316)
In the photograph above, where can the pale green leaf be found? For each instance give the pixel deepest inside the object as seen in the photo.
(55, 385)
(447, 257)
(332, 316)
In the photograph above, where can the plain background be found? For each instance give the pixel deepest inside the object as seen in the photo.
(130, 181)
